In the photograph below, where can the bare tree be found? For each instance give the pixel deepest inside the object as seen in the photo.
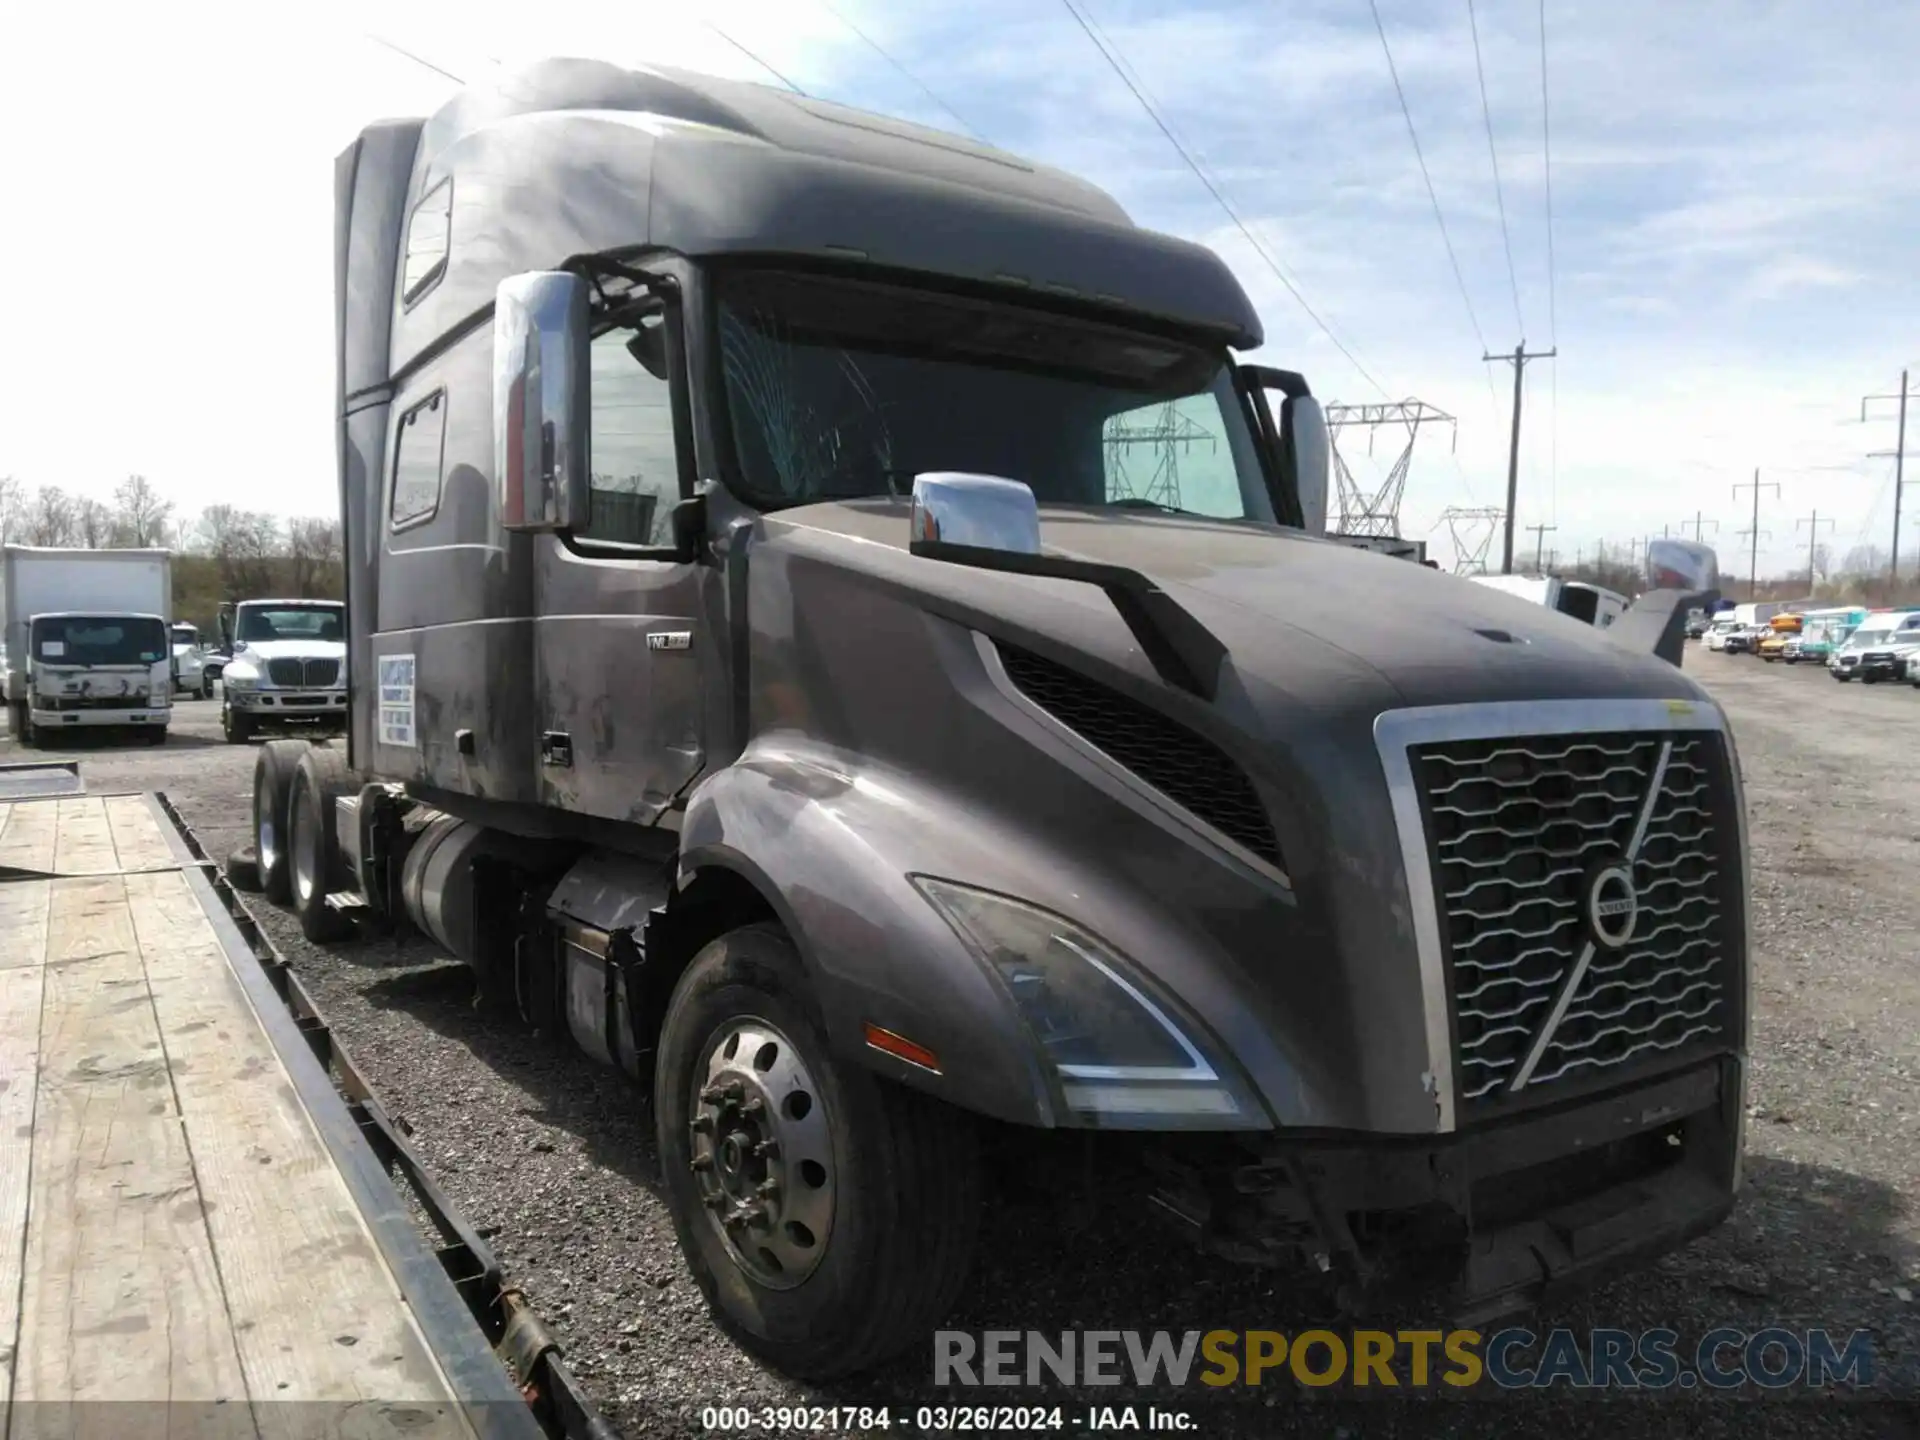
(141, 517)
(94, 521)
(242, 542)
(11, 498)
(50, 517)
(1864, 560)
(313, 544)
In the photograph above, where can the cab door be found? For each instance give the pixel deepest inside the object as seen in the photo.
(619, 638)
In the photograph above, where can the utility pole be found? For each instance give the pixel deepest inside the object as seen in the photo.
(1539, 542)
(1521, 355)
(1899, 453)
(1813, 542)
(1753, 572)
(1699, 522)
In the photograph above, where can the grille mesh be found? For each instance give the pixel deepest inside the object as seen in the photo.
(1517, 828)
(1185, 767)
(294, 672)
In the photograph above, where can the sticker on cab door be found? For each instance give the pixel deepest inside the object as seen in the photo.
(396, 701)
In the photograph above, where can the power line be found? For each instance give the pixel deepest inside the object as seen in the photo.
(387, 44)
(915, 80)
(756, 59)
(1493, 153)
(1111, 56)
(1420, 156)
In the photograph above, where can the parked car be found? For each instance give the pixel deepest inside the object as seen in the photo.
(189, 661)
(1773, 637)
(1877, 648)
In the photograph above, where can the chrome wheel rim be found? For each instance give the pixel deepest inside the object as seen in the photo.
(266, 842)
(761, 1152)
(306, 847)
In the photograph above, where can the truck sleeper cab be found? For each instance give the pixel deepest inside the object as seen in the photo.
(785, 662)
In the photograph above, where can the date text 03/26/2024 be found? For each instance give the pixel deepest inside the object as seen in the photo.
(936, 1419)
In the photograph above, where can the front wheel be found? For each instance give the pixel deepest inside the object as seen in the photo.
(236, 726)
(827, 1216)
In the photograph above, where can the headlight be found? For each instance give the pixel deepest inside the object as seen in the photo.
(239, 677)
(1117, 1058)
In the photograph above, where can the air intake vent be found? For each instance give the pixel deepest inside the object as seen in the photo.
(1188, 769)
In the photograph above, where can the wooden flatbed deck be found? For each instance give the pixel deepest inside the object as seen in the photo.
(189, 1242)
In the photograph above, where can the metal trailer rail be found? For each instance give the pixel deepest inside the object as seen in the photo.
(200, 1229)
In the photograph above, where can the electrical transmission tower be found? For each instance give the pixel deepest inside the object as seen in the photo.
(1471, 528)
(1378, 513)
(1168, 436)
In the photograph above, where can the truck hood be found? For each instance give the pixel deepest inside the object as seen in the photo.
(1313, 618)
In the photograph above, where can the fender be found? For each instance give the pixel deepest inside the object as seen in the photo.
(830, 843)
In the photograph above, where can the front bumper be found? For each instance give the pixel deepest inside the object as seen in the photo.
(1488, 1223)
(1876, 666)
(291, 707)
(82, 719)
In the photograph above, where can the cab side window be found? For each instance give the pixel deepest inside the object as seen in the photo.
(635, 469)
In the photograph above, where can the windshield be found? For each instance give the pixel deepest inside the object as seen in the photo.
(1725, 627)
(288, 622)
(186, 635)
(1860, 639)
(86, 640)
(839, 389)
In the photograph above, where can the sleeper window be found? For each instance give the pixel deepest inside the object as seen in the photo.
(416, 460)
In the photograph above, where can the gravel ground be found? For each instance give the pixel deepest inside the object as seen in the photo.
(552, 1156)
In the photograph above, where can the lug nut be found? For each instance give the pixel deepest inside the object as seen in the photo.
(753, 1107)
(768, 1188)
(766, 1148)
(712, 1095)
(702, 1162)
(702, 1125)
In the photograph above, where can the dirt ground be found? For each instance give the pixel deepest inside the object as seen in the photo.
(552, 1156)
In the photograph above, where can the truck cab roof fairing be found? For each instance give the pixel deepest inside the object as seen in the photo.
(571, 157)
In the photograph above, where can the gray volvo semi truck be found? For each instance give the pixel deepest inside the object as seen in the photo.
(782, 660)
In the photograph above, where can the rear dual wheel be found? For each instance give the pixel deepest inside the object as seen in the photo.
(827, 1215)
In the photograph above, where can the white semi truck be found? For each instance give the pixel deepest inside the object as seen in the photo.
(85, 641)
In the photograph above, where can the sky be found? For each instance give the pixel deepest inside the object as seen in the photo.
(1735, 192)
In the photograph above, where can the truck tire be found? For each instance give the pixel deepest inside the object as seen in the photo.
(272, 783)
(242, 868)
(236, 726)
(859, 1220)
(21, 725)
(318, 779)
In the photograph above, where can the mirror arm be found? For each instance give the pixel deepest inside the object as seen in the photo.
(1182, 651)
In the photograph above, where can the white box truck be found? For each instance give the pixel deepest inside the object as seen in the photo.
(84, 640)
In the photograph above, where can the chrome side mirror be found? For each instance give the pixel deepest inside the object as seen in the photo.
(540, 401)
(984, 512)
(1682, 565)
(1304, 424)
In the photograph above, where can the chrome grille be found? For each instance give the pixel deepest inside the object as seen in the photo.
(1518, 830)
(295, 673)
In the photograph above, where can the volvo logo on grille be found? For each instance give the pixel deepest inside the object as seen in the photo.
(1612, 905)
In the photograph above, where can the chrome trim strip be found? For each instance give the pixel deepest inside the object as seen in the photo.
(1395, 731)
(1136, 789)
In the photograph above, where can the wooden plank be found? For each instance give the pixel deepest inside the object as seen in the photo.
(137, 837)
(84, 844)
(23, 924)
(120, 1297)
(317, 1314)
(27, 842)
(19, 1060)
